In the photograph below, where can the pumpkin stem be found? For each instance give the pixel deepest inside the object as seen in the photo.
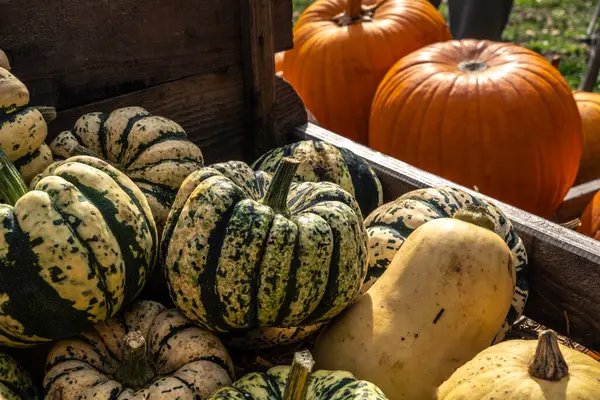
(548, 362)
(354, 9)
(477, 215)
(12, 186)
(355, 12)
(472, 66)
(299, 376)
(136, 370)
(277, 193)
(48, 113)
(80, 150)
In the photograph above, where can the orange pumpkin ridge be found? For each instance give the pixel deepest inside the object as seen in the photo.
(486, 114)
(343, 48)
(589, 109)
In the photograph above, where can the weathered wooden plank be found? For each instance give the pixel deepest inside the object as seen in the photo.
(576, 200)
(283, 24)
(564, 265)
(289, 110)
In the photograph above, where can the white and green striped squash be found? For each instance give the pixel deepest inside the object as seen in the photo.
(73, 250)
(153, 151)
(390, 225)
(147, 352)
(324, 162)
(15, 381)
(22, 128)
(242, 250)
(297, 382)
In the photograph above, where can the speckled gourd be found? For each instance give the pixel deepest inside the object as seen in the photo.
(22, 127)
(15, 381)
(148, 352)
(244, 250)
(152, 150)
(296, 382)
(73, 250)
(391, 224)
(323, 162)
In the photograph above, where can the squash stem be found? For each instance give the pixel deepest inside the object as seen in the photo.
(354, 9)
(296, 386)
(136, 370)
(279, 188)
(12, 186)
(48, 113)
(548, 362)
(477, 215)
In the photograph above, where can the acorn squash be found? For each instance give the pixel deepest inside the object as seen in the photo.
(440, 302)
(242, 250)
(73, 250)
(153, 151)
(391, 224)
(147, 352)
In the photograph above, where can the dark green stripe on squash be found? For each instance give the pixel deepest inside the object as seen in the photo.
(164, 137)
(162, 193)
(123, 139)
(26, 159)
(366, 190)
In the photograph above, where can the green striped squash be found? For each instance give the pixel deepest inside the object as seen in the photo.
(22, 128)
(242, 250)
(324, 162)
(73, 250)
(153, 151)
(390, 225)
(15, 381)
(297, 382)
(147, 352)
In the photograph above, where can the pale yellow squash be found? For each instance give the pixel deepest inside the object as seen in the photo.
(439, 303)
(526, 370)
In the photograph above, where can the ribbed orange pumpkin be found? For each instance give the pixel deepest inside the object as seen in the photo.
(590, 219)
(589, 110)
(486, 114)
(342, 50)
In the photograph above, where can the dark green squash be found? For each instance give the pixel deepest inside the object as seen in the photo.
(15, 381)
(240, 251)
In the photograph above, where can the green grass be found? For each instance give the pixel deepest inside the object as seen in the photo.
(550, 27)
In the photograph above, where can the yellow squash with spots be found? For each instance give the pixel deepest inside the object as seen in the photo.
(440, 302)
(242, 250)
(73, 250)
(15, 381)
(22, 127)
(525, 370)
(153, 151)
(148, 352)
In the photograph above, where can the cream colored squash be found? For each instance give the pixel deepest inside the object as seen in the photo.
(525, 370)
(439, 303)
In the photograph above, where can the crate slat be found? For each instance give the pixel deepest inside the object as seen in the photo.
(564, 274)
(576, 200)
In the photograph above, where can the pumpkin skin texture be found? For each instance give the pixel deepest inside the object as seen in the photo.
(342, 51)
(22, 128)
(590, 218)
(321, 161)
(502, 372)
(323, 385)
(444, 109)
(589, 109)
(234, 262)
(153, 151)
(188, 362)
(73, 251)
(390, 225)
(15, 381)
(451, 284)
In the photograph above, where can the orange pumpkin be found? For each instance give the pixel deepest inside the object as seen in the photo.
(342, 50)
(589, 110)
(590, 219)
(486, 114)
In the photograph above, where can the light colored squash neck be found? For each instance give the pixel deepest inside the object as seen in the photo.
(136, 370)
(12, 186)
(296, 386)
(477, 215)
(277, 194)
(548, 362)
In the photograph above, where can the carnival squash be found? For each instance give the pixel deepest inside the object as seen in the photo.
(23, 128)
(321, 161)
(15, 381)
(525, 370)
(589, 109)
(391, 224)
(242, 250)
(73, 251)
(264, 338)
(149, 352)
(153, 151)
(492, 115)
(440, 302)
(298, 383)
(342, 49)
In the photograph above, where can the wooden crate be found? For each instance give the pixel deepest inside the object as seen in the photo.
(209, 66)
